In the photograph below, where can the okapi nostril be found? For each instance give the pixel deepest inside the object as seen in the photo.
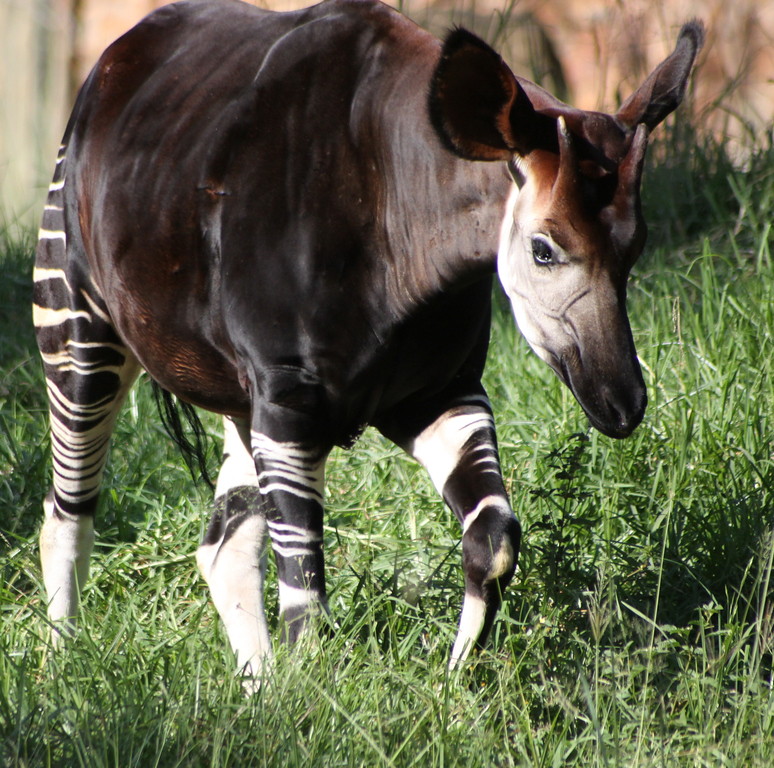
(624, 411)
(618, 412)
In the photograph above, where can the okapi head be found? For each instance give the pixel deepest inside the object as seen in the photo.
(573, 226)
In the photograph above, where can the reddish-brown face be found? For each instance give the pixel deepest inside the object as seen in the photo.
(567, 244)
(573, 226)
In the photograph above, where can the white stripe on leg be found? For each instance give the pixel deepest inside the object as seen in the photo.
(289, 467)
(296, 597)
(439, 447)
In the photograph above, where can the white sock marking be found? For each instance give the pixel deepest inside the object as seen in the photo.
(471, 623)
(234, 571)
(65, 549)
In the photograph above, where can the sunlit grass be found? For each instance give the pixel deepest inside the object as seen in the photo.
(638, 631)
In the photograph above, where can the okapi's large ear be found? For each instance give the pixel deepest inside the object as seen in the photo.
(473, 95)
(664, 88)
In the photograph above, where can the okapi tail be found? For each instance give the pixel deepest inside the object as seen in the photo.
(184, 426)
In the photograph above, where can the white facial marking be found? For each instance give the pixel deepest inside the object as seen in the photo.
(514, 263)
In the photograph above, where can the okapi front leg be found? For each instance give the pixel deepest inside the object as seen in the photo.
(232, 556)
(459, 450)
(291, 481)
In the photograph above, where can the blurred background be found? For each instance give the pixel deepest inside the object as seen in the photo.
(591, 53)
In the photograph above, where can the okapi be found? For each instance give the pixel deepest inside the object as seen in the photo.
(293, 220)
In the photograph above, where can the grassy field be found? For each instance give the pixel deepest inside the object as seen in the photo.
(638, 631)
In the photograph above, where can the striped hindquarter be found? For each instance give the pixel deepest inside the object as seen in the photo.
(88, 372)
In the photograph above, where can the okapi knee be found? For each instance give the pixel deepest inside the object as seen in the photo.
(490, 546)
(490, 550)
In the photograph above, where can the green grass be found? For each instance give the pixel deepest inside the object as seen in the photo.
(638, 631)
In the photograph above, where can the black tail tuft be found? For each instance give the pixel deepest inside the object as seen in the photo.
(193, 447)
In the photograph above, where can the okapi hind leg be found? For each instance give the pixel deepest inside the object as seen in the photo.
(232, 556)
(80, 438)
(88, 372)
(459, 450)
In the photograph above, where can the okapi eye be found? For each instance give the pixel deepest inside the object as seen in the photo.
(542, 252)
